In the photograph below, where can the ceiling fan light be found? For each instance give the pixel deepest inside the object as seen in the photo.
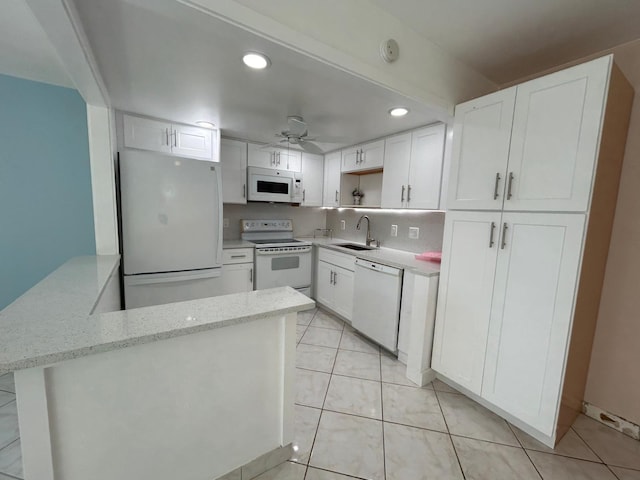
(255, 60)
(398, 111)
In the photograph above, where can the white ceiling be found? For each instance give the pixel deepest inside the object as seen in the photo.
(509, 39)
(163, 59)
(25, 50)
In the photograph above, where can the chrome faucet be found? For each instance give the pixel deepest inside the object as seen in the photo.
(369, 240)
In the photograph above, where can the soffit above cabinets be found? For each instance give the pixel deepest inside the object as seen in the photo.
(164, 59)
(25, 50)
(506, 40)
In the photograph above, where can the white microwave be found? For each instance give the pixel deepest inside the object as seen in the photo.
(266, 185)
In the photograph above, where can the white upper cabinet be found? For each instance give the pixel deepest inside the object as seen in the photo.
(481, 136)
(395, 178)
(275, 158)
(469, 251)
(535, 287)
(413, 169)
(331, 195)
(147, 134)
(555, 138)
(368, 156)
(532, 147)
(165, 137)
(312, 179)
(233, 158)
(194, 142)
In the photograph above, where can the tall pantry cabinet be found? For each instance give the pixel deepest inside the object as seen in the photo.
(532, 195)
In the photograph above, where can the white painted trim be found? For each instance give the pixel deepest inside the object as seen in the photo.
(61, 23)
(105, 217)
(617, 423)
(33, 419)
(288, 377)
(423, 315)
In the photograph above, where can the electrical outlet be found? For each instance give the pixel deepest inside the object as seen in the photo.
(225, 222)
(394, 230)
(343, 225)
(414, 232)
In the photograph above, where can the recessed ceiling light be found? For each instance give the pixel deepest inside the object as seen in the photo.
(398, 112)
(206, 124)
(256, 60)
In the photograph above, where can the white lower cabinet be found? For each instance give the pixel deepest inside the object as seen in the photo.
(237, 272)
(334, 282)
(505, 306)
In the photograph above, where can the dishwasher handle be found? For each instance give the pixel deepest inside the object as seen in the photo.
(378, 267)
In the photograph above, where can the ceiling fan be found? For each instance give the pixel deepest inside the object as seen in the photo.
(297, 134)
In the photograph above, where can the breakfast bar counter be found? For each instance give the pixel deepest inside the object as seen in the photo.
(187, 390)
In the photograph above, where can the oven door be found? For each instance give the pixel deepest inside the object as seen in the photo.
(282, 269)
(270, 187)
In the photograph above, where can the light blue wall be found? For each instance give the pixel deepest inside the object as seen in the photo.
(46, 212)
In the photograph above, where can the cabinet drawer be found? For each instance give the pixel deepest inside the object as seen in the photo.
(338, 259)
(237, 255)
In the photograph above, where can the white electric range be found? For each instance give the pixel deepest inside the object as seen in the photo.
(280, 260)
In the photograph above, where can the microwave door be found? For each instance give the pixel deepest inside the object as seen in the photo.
(270, 188)
(278, 187)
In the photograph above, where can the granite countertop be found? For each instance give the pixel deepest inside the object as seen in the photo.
(228, 244)
(52, 322)
(386, 256)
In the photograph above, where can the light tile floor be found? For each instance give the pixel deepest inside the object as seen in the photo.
(357, 416)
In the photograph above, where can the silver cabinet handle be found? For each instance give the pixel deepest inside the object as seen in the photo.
(278, 158)
(238, 256)
(509, 186)
(251, 276)
(335, 278)
(331, 277)
(175, 138)
(272, 156)
(304, 193)
(495, 188)
(402, 194)
(504, 235)
(166, 132)
(493, 227)
(357, 157)
(408, 193)
(244, 191)
(336, 196)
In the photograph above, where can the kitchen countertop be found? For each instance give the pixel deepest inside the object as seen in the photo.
(386, 256)
(229, 244)
(52, 322)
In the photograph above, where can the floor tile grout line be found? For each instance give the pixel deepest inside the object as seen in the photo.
(384, 451)
(587, 444)
(446, 424)
(525, 450)
(337, 473)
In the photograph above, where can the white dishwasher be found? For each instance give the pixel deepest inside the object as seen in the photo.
(376, 302)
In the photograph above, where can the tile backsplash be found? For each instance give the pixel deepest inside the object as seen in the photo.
(305, 219)
(430, 225)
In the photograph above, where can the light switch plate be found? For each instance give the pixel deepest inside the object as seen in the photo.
(225, 223)
(414, 232)
(343, 225)
(394, 230)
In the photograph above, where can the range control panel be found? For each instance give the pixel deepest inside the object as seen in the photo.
(266, 226)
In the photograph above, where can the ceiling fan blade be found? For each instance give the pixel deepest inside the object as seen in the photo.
(271, 145)
(329, 139)
(311, 148)
(297, 125)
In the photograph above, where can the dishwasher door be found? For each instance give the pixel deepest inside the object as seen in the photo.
(376, 302)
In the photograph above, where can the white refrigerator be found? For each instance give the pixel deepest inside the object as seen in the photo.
(171, 227)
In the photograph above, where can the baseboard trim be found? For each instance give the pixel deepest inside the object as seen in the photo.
(619, 424)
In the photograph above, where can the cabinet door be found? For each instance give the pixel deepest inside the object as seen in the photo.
(312, 179)
(289, 160)
(535, 286)
(233, 158)
(258, 156)
(331, 195)
(193, 142)
(469, 252)
(343, 292)
(481, 136)
(556, 133)
(425, 170)
(350, 159)
(395, 177)
(147, 134)
(372, 156)
(237, 278)
(324, 283)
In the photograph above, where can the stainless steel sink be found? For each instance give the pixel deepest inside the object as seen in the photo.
(353, 246)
